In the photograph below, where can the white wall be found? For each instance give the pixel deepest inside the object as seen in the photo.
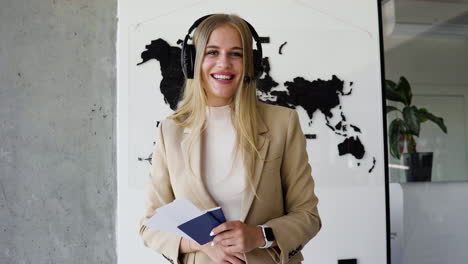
(432, 220)
(324, 38)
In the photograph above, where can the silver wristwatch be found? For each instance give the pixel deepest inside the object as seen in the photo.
(267, 235)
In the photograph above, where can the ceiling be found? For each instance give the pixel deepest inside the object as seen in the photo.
(445, 19)
(431, 12)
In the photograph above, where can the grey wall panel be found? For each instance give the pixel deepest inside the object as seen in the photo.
(57, 115)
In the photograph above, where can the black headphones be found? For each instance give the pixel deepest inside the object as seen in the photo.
(188, 53)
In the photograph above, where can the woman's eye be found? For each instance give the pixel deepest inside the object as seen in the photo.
(212, 52)
(237, 54)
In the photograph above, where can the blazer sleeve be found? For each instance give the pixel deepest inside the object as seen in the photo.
(159, 192)
(301, 221)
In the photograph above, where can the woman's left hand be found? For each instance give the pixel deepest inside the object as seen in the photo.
(238, 237)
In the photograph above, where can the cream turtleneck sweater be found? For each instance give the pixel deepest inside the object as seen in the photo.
(222, 171)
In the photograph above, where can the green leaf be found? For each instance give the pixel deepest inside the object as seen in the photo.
(392, 108)
(404, 87)
(424, 115)
(396, 130)
(390, 83)
(400, 92)
(391, 92)
(410, 115)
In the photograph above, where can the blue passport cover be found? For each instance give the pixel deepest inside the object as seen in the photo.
(218, 214)
(199, 228)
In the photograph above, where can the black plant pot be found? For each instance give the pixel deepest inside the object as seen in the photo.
(419, 166)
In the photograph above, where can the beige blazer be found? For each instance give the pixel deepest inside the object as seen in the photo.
(283, 181)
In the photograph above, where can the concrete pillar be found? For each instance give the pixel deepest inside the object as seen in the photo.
(57, 131)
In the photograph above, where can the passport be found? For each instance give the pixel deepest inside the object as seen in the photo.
(199, 228)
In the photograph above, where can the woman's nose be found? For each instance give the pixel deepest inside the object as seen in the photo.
(223, 61)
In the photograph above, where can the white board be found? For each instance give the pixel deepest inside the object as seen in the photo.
(324, 38)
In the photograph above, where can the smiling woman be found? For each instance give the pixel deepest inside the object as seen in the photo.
(221, 147)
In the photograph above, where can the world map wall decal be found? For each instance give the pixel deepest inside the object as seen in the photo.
(317, 96)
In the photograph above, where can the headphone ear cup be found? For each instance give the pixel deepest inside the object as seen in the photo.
(258, 64)
(188, 60)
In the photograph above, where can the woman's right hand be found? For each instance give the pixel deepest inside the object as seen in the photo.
(220, 255)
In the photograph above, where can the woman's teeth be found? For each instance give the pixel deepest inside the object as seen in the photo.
(222, 77)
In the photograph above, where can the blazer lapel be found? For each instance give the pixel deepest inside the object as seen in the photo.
(195, 181)
(263, 143)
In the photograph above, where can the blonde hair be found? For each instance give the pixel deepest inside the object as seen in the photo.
(191, 111)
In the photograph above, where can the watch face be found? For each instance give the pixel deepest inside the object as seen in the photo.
(269, 234)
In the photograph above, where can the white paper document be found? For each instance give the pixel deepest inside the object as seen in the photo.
(171, 215)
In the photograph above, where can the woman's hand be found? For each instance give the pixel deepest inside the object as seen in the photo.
(221, 256)
(236, 236)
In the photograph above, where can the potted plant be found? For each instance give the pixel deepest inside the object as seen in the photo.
(404, 129)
